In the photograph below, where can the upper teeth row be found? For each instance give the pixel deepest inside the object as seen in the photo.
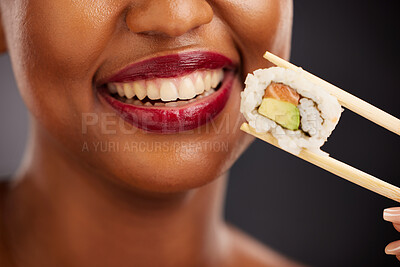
(184, 87)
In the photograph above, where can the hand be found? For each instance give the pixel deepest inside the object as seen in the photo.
(393, 215)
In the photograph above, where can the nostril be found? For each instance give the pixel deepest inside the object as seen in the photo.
(171, 18)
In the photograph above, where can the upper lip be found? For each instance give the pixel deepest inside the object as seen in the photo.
(173, 65)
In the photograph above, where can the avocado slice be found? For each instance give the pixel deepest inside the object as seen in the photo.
(284, 113)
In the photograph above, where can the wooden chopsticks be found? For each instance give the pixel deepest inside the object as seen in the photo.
(347, 100)
(330, 164)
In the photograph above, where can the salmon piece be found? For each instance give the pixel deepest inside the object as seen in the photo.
(282, 92)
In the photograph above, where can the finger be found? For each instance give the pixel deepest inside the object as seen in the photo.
(398, 257)
(392, 215)
(393, 248)
(396, 226)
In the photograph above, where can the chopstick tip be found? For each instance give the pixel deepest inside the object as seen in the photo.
(244, 127)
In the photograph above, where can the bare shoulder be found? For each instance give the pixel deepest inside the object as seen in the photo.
(4, 256)
(246, 251)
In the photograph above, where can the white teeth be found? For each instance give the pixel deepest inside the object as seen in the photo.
(221, 75)
(120, 89)
(128, 90)
(177, 103)
(207, 81)
(216, 78)
(199, 85)
(209, 92)
(140, 90)
(168, 91)
(152, 91)
(186, 89)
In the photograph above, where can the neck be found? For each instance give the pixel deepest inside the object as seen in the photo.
(57, 210)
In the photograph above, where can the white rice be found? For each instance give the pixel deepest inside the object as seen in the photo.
(319, 111)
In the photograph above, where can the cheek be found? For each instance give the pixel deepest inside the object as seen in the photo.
(61, 40)
(70, 34)
(58, 45)
(259, 25)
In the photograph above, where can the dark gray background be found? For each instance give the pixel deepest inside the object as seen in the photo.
(296, 208)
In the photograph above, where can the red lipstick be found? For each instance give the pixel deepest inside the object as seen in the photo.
(171, 66)
(165, 119)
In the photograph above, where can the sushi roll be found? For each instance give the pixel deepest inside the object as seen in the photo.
(297, 112)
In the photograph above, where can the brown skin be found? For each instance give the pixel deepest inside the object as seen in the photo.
(68, 207)
(3, 47)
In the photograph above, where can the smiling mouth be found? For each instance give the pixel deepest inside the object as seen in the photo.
(172, 93)
(168, 92)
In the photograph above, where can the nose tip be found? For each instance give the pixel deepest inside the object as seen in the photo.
(169, 17)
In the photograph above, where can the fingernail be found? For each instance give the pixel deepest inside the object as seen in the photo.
(393, 248)
(392, 215)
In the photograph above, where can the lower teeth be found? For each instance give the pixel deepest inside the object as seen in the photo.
(159, 103)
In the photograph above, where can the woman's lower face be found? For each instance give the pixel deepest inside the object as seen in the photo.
(144, 92)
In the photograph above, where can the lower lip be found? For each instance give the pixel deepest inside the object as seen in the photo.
(170, 120)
